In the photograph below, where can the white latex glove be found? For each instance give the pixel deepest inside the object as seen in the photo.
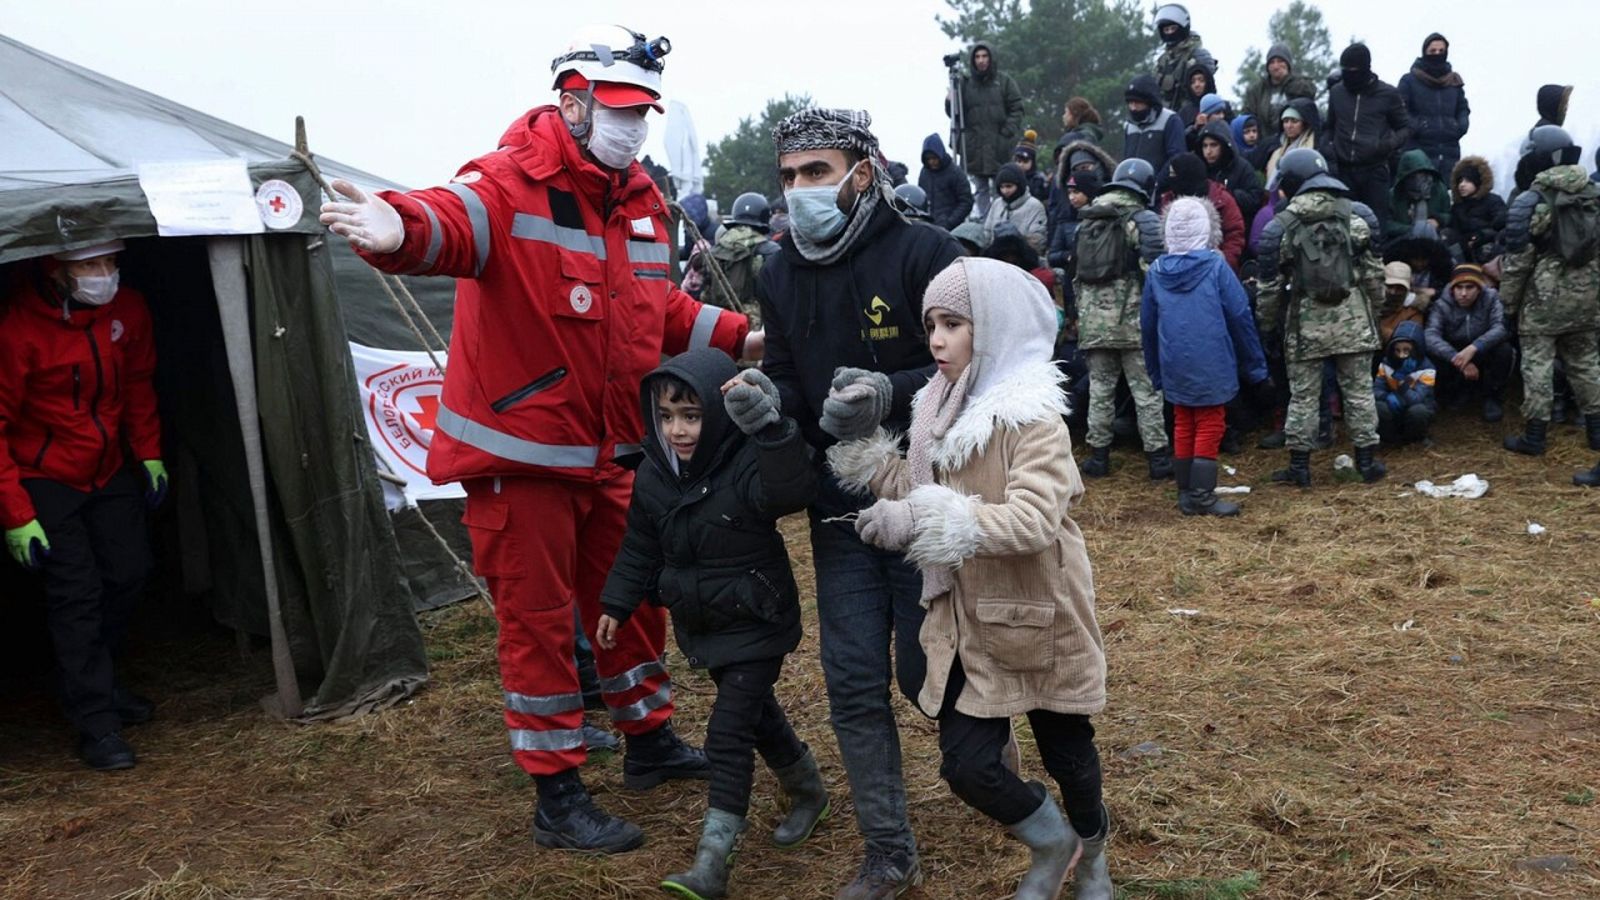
(368, 221)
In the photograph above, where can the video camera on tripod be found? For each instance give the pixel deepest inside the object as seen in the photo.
(957, 106)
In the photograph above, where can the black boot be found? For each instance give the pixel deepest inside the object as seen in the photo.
(1493, 407)
(1367, 463)
(1230, 440)
(1531, 441)
(1160, 463)
(106, 754)
(1299, 471)
(1203, 492)
(567, 819)
(658, 756)
(1591, 427)
(1590, 478)
(1272, 440)
(1098, 465)
(1181, 469)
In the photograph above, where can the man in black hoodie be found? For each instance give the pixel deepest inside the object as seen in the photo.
(945, 184)
(845, 293)
(1367, 122)
(1227, 168)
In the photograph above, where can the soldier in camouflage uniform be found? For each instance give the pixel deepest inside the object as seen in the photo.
(1108, 328)
(1344, 331)
(1555, 304)
(1182, 52)
(740, 250)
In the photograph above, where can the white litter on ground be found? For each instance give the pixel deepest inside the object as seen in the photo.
(1535, 528)
(1236, 489)
(1184, 612)
(1467, 487)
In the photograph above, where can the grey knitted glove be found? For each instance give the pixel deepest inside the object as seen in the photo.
(857, 404)
(887, 524)
(753, 403)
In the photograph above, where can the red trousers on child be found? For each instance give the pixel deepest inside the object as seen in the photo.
(544, 544)
(1197, 431)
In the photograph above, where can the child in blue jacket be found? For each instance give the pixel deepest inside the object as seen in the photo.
(1197, 326)
(1404, 388)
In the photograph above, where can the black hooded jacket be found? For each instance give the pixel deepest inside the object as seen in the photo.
(949, 193)
(1364, 126)
(1231, 170)
(703, 537)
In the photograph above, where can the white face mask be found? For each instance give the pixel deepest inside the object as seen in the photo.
(616, 135)
(96, 290)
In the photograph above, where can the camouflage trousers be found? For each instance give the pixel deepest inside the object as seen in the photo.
(1105, 366)
(1579, 351)
(1305, 397)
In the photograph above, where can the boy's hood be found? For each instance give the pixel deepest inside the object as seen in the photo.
(1407, 331)
(1238, 129)
(1413, 161)
(935, 145)
(706, 370)
(1223, 132)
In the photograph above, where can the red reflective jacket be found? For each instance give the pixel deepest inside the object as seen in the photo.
(563, 305)
(73, 386)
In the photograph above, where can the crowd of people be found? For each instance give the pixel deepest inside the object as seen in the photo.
(917, 362)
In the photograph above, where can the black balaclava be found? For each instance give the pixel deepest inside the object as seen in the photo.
(1187, 175)
(1011, 173)
(1356, 65)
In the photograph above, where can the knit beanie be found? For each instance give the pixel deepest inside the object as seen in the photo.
(1469, 272)
(1188, 225)
(1289, 112)
(1029, 146)
(1356, 56)
(1087, 183)
(1187, 175)
(948, 290)
(1011, 173)
(1211, 103)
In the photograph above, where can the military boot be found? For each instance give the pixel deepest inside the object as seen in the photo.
(1098, 465)
(808, 800)
(708, 878)
(1299, 470)
(1590, 478)
(1160, 462)
(1367, 463)
(1531, 441)
(660, 755)
(567, 819)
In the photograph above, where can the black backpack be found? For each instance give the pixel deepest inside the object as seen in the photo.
(1574, 233)
(1103, 249)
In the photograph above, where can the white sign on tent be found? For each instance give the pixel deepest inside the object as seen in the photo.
(400, 400)
(210, 196)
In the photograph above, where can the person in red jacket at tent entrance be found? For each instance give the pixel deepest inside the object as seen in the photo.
(561, 244)
(76, 360)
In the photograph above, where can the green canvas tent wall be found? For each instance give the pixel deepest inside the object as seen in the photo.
(283, 515)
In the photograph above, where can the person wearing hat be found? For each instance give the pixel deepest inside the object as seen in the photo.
(1186, 177)
(1152, 132)
(1367, 122)
(560, 243)
(1297, 129)
(1467, 339)
(1026, 157)
(1182, 50)
(1015, 205)
(739, 251)
(991, 120)
(1268, 97)
(1436, 99)
(1400, 303)
(1198, 85)
(842, 304)
(77, 358)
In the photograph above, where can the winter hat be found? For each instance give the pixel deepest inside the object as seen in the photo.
(1188, 225)
(1280, 51)
(1469, 272)
(1289, 112)
(1211, 103)
(1088, 183)
(1144, 87)
(948, 290)
(1011, 173)
(1356, 56)
(1187, 175)
(971, 234)
(1398, 273)
(1029, 147)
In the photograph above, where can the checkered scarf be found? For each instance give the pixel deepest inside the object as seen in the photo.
(836, 129)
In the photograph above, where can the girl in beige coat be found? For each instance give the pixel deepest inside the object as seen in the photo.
(980, 505)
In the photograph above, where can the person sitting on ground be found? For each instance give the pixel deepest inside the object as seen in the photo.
(1400, 302)
(1015, 205)
(1197, 330)
(1186, 177)
(1403, 388)
(719, 437)
(1026, 156)
(1468, 342)
(1419, 200)
(981, 503)
(1297, 128)
(1478, 215)
(945, 183)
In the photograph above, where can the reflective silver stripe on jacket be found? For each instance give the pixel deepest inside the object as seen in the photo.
(505, 446)
(705, 323)
(548, 705)
(478, 215)
(641, 252)
(632, 678)
(621, 450)
(530, 741)
(435, 238)
(633, 712)
(538, 228)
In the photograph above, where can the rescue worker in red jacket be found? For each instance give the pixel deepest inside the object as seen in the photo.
(561, 243)
(76, 361)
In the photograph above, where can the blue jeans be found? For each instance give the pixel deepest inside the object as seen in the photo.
(866, 600)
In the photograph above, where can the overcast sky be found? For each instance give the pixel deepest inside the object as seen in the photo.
(411, 89)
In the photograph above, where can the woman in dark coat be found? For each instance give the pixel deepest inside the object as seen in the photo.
(1436, 98)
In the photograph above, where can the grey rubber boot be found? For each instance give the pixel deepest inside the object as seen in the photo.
(1055, 847)
(708, 879)
(1181, 469)
(1091, 881)
(1202, 491)
(808, 800)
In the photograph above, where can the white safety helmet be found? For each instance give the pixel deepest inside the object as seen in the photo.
(608, 57)
(92, 252)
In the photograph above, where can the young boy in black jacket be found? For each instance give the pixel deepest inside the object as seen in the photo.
(722, 465)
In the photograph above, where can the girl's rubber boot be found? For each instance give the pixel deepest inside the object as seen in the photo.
(1055, 848)
(708, 879)
(1181, 469)
(1090, 880)
(1203, 491)
(808, 800)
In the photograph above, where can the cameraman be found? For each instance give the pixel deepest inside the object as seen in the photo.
(991, 121)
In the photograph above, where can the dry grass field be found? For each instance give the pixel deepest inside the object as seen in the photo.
(1378, 695)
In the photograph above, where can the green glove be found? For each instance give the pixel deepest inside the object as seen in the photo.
(155, 482)
(28, 545)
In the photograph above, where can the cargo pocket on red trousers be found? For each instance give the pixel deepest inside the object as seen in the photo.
(496, 549)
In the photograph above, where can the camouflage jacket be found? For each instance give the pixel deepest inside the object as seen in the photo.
(1537, 288)
(1313, 330)
(1108, 314)
(1173, 63)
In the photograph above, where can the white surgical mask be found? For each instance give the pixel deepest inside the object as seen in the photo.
(814, 211)
(96, 290)
(616, 135)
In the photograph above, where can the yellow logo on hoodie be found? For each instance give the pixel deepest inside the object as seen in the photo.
(874, 313)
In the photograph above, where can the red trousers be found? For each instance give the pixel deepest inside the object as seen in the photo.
(1197, 431)
(543, 545)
